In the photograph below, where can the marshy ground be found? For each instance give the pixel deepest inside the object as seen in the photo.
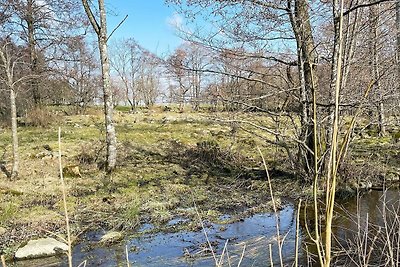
(168, 162)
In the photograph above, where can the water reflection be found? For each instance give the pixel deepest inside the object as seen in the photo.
(256, 233)
(367, 230)
(191, 248)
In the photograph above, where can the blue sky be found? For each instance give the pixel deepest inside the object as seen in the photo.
(149, 23)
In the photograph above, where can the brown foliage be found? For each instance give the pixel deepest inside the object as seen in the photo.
(40, 117)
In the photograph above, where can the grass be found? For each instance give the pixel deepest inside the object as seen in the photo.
(158, 169)
(164, 158)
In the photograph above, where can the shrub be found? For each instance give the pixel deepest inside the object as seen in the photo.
(40, 117)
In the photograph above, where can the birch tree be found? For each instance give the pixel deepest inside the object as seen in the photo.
(148, 79)
(81, 74)
(176, 69)
(8, 62)
(100, 27)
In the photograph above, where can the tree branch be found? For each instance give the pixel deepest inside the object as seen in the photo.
(91, 17)
(348, 11)
(231, 75)
(119, 24)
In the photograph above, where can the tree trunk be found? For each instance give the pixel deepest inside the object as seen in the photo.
(374, 67)
(350, 42)
(111, 139)
(34, 86)
(8, 68)
(398, 40)
(132, 102)
(335, 54)
(307, 60)
(381, 118)
(14, 133)
(101, 31)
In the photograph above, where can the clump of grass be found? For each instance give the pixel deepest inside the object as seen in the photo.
(90, 153)
(355, 174)
(8, 211)
(209, 157)
(131, 214)
(40, 117)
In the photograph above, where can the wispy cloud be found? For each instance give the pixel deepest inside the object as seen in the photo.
(175, 21)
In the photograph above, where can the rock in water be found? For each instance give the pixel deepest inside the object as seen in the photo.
(111, 237)
(40, 248)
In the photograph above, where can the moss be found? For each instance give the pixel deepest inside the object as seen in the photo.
(123, 108)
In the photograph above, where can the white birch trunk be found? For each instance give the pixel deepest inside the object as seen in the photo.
(14, 134)
(9, 70)
(101, 31)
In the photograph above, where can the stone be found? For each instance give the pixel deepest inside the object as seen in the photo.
(44, 154)
(72, 171)
(111, 237)
(39, 248)
(2, 231)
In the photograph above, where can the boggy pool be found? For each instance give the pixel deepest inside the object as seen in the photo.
(254, 234)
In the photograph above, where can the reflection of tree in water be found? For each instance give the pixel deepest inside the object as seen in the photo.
(367, 229)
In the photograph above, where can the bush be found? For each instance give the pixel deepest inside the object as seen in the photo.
(40, 117)
(90, 153)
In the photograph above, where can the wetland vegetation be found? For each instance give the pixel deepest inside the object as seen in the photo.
(169, 161)
(264, 119)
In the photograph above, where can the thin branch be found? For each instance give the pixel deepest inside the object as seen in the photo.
(347, 12)
(267, 4)
(119, 24)
(230, 75)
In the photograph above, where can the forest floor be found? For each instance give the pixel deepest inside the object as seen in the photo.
(168, 164)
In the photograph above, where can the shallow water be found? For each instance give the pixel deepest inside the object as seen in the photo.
(191, 248)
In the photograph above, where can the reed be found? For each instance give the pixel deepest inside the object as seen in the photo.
(64, 193)
(3, 261)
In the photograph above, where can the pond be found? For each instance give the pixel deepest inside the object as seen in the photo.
(254, 233)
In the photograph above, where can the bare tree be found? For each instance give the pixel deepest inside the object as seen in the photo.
(178, 72)
(100, 27)
(255, 31)
(374, 64)
(148, 79)
(44, 26)
(80, 72)
(126, 60)
(9, 62)
(289, 51)
(398, 39)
